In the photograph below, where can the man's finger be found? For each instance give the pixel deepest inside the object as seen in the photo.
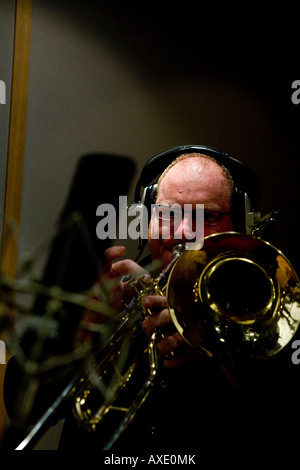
(155, 302)
(127, 266)
(156, 321)
(169, 344)
(112, 253)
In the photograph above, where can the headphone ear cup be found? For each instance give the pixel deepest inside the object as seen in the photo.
(237, 209)
(149, 198)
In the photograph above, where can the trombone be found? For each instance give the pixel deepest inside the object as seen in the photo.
(235, 299)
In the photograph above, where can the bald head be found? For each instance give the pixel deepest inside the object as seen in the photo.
(193, 171)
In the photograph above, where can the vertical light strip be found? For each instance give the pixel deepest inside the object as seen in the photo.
(16, 150)
(17, 134)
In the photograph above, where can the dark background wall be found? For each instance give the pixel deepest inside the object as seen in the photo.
(136, 80)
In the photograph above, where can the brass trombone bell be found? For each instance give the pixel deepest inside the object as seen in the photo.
(236, 299)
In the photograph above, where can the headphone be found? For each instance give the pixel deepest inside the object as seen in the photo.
(246, 192)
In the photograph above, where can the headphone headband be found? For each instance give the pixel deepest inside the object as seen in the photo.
(244, 178)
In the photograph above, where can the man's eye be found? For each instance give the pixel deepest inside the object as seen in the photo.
(212, 217)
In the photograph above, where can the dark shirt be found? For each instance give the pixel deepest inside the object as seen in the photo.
(195, 406)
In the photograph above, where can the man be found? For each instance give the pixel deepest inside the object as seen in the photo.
(191, 179)
(195, 401)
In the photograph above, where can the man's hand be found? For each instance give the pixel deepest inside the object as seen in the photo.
(119, 291)
(171, 343)
(111, 290)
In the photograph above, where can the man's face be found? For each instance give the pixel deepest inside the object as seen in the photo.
(191, 181)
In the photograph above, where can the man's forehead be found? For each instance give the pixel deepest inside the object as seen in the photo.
(191, 182)
(194, 169)
(198, 163)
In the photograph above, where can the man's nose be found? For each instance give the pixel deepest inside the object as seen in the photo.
(184, 231)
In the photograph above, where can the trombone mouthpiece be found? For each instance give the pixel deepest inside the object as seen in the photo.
(178, 249)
